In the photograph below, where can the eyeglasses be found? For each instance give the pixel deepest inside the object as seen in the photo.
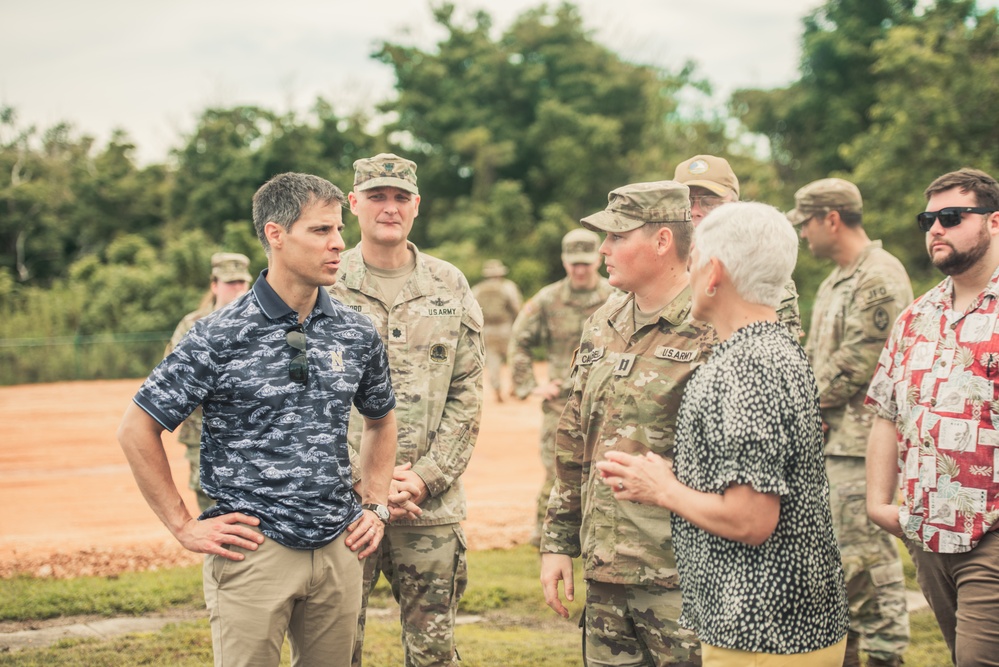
(706, 202)
(299, 368)
(949, 217)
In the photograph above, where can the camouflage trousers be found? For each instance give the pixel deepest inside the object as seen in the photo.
(495, 358)
(427, 570)
(193, 456)
(550, 413)
(635, 626)
(875, 586)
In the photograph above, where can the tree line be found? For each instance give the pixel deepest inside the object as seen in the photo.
(516, 136)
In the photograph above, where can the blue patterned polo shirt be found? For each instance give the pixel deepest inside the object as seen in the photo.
(272, 447)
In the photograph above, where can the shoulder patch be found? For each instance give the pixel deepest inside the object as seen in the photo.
(439, 353)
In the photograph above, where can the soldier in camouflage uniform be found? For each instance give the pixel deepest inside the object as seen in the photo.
(853, 315)
(553, 319)
(713, 183)
(230, 279)
(500, 300)
(636, 354)
(432, 327)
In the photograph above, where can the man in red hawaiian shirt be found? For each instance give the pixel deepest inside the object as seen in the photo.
(937, 419)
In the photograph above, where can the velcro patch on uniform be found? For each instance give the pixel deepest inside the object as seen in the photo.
(358, 308)
(587, 358)
(624, 364)
(443, 311)
(874, 295)
(439, 353)
(397, 333)
(673, 354)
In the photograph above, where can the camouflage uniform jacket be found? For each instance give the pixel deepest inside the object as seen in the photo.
(190, 431)
(499, 299)
(625, 397)
(433, 334)
(553, 318)
(787, 310)
(853, 315)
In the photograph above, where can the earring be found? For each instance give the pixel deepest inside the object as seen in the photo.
(711, 291)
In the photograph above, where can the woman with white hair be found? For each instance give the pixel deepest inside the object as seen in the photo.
(759, 566)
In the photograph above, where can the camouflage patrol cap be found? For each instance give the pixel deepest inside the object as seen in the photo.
(230, 267)
(631, 206)
(710, 172)
(827, 194)
(493, 268)
(385, 170)
(580, 247)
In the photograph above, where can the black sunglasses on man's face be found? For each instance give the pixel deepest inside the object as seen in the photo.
(949, 217)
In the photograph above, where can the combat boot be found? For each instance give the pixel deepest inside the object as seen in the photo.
(894, 661)
(852, 657)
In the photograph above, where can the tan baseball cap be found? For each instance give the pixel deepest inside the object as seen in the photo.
(385, 170)
(230, 267)
(580, 246)
(493, 268)
(827, 194)
(708, 171)
(631, 206)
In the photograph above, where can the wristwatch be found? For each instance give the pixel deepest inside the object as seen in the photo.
(380, 511)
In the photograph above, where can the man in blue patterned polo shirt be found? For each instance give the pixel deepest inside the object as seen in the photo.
(276, 372)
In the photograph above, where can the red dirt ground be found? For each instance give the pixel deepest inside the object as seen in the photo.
(71, 507)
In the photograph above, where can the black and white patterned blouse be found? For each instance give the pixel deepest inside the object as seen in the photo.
(272, 447)
(750, 415)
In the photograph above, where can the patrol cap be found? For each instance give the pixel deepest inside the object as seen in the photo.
(827, 194)
(708, 171)
(385, 170)
(631, 206)
(230, 267)
(580, 246)
(493, 268)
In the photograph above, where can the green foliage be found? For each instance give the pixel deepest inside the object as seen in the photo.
(809, 121)
(128, 594)
(504, 128)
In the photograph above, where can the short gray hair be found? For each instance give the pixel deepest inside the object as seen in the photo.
(283, 198)
(757, 246)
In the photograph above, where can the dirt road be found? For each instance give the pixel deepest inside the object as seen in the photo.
(70, 505)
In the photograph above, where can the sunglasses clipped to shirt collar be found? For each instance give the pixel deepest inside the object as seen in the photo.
(949, 217)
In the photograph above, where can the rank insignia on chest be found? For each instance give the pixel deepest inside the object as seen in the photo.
(673, 354)
(397, 333)
(625, 362)
(438, 353)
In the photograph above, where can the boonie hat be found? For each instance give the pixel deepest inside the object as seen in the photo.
(230, 267)
(827, 194)
(580, 246)
(631, 206)
(385, 170)
(493, 268)
(710, 172)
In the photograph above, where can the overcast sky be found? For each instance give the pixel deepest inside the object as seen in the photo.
(151, 67)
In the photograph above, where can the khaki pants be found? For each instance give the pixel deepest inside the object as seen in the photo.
(963, 592)
(312, 595)
(831, 656)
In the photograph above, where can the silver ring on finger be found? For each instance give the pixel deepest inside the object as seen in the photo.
(620, 486)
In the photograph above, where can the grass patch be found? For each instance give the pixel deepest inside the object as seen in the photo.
(516, 628)
(129, 594)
